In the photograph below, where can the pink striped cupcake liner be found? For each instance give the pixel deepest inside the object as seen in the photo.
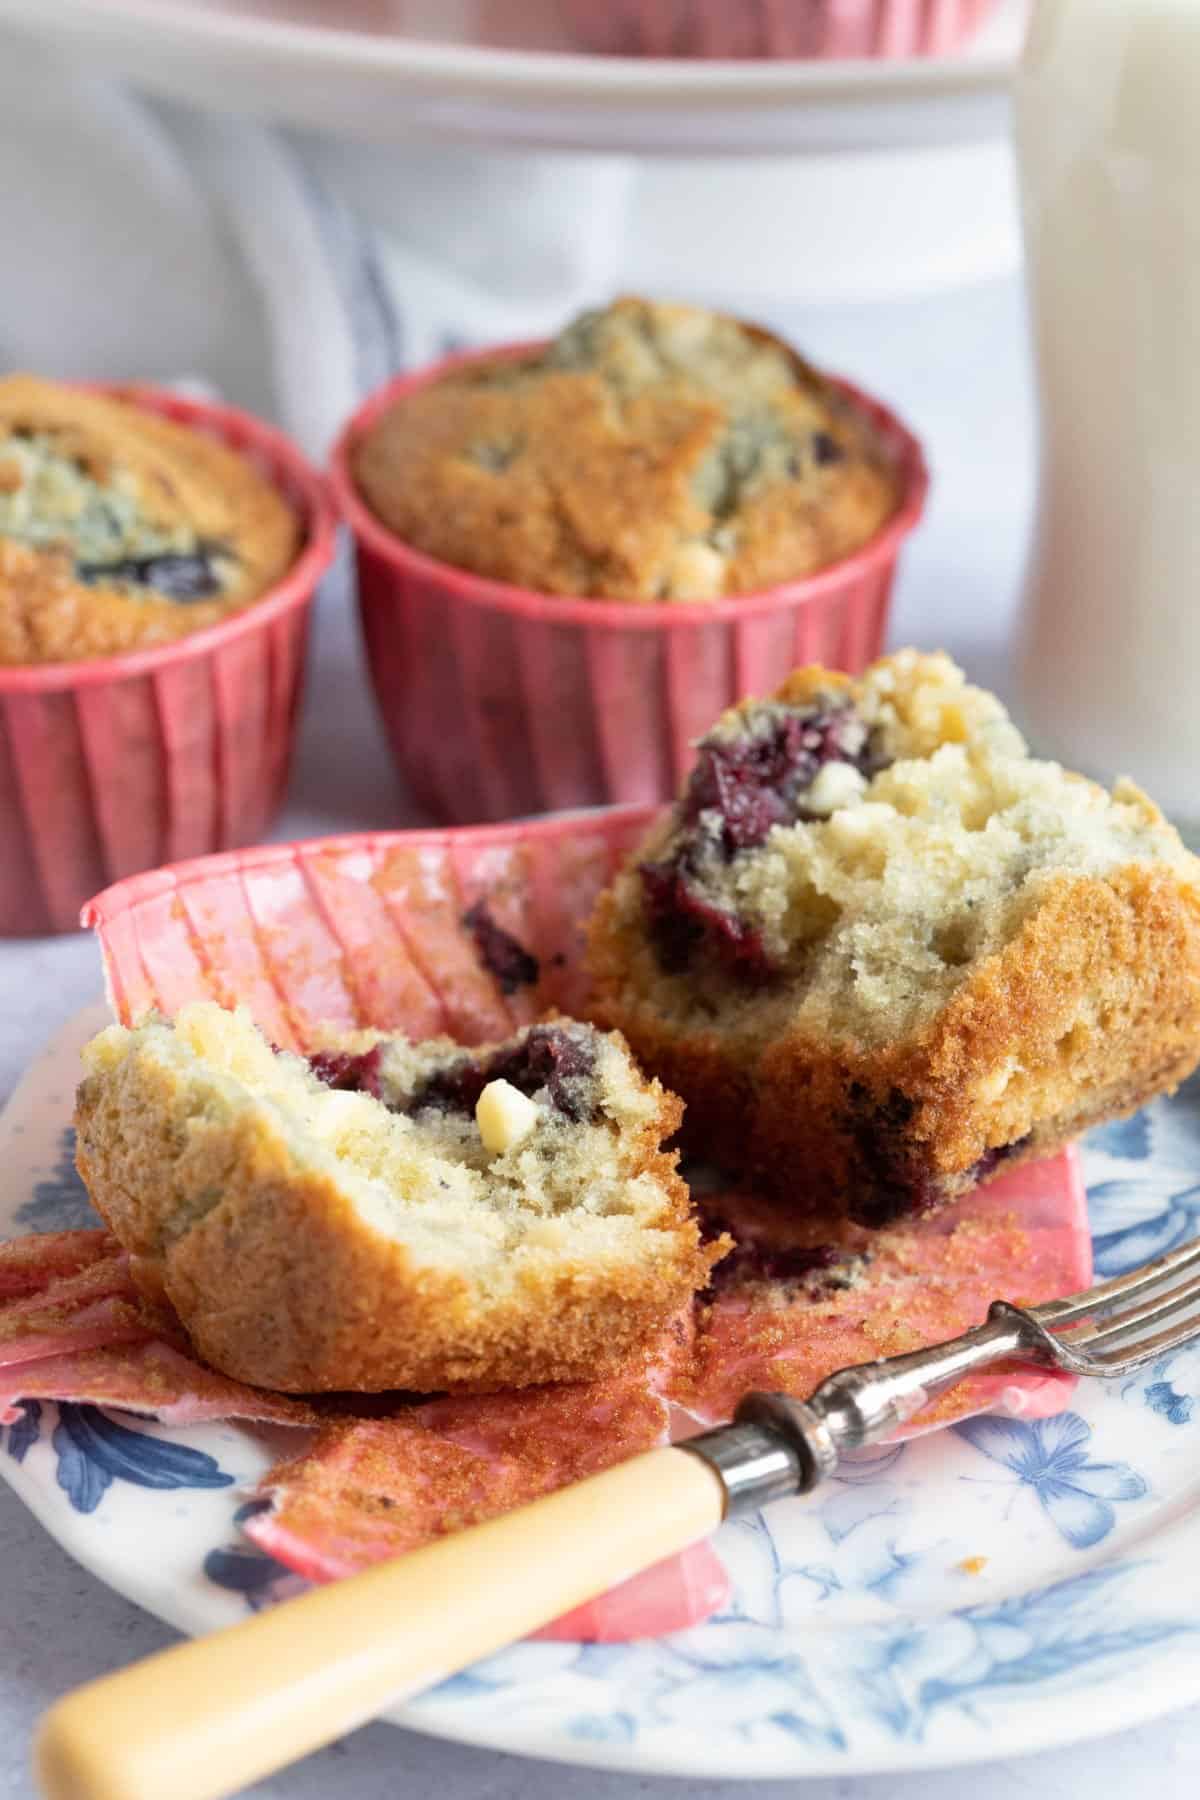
(124, 762)
(500, 702)
(738, 29)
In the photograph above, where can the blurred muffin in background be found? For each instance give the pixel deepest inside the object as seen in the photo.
(121, 529)
(774, 28)
(572, 554)
(651, 452)
(158, 561)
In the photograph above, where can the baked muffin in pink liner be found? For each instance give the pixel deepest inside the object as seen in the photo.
(476, 932)
(500, 701)
(122, 762)
(736, 29)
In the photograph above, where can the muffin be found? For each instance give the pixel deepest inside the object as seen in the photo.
(882, 951)
(775, 28)
(120, 529)
(651, 452)
(391, 1214)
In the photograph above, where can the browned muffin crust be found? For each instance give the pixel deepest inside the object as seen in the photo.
(288, 1271)
(120, 529)
(651, 452)
(981, 956)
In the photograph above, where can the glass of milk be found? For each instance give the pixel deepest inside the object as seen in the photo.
(1108, 133)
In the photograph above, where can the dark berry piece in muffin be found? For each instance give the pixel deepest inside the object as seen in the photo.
(881, 951)
(754, 771)
(194, 575)
(501, 955)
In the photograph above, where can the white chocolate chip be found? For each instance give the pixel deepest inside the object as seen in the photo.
(505, 1117)
(547, 1234)
(854, 825)
(695, 572)
(990, 1086)
(337, 1111)
(837, 785)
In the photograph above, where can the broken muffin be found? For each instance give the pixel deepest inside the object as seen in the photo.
(881, 950)
(387, 1214)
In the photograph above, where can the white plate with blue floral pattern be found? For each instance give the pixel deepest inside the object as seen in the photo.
(999, 1587)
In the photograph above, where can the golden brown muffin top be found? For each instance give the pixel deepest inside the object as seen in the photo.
(651, 452)
(120, 529)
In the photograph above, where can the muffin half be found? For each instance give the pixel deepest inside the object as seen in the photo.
(880, 950)
(390, 1214)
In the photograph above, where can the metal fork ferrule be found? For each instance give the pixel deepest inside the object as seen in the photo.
(809, 1435)
(755, 1462)
(776, 1447)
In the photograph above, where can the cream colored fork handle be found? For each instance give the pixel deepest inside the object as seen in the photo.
(207, 1717)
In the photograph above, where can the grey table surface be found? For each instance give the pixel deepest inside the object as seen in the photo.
(956, 366)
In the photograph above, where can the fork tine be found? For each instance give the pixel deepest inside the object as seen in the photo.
(1099, 1334)
(1116, 1362)
(1121, 1287)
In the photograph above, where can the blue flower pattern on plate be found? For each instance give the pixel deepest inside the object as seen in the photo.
(1125, 1138)
(25, 1431)
(1050, 1457)
(259, 1579)
(1054, 1637)
(94, 1451)
(244, 1569)
(1144, 1200)
(59, 1201)
(1175, 1408)
(1148, 1199)
(1134, 1220)
(900, 1677)
(848, 1628)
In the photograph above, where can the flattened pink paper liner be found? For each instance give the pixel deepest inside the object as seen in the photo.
(1023, 1236)
(365, 930)
(73, 1327)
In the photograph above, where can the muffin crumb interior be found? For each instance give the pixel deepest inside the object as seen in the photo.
(843, 855)
(395, 1123)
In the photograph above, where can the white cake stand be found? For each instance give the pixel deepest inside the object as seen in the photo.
(871, 179)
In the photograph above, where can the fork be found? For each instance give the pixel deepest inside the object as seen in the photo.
(206, 1718)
